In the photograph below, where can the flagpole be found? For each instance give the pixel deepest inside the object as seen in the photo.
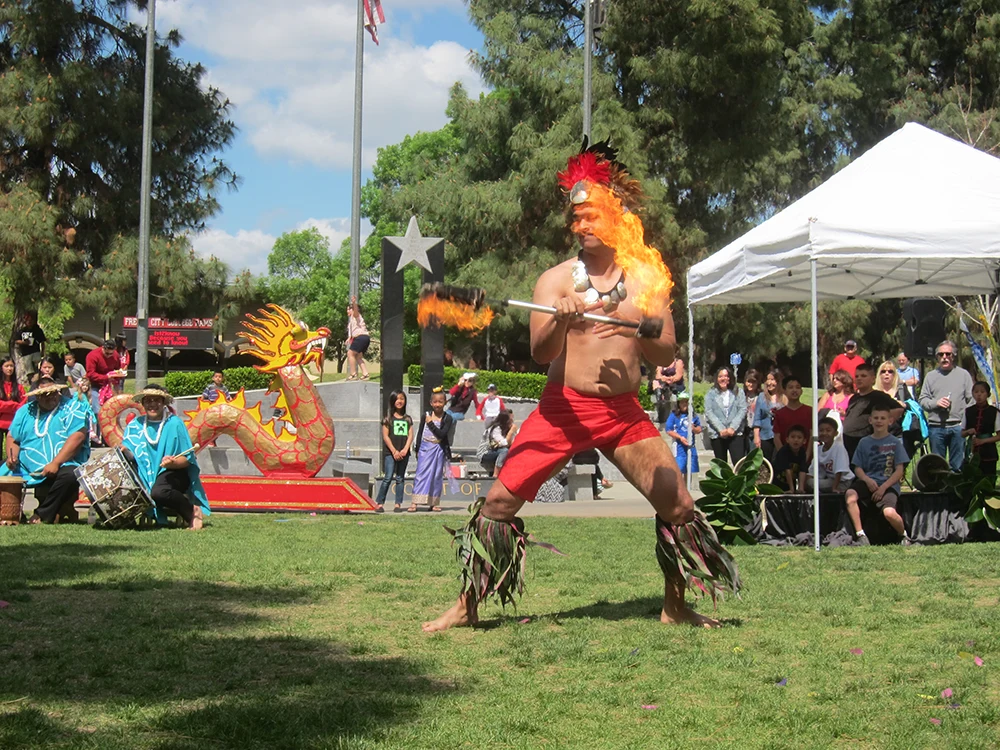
(145, 185)
(359, 55)
(588, 54)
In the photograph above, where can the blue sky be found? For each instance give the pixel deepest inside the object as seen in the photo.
(289, 69)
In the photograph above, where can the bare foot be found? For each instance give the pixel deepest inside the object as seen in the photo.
(197, 521)
(458, 616)
(687, 616)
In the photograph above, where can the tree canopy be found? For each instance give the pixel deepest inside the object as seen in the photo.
(726, 110)
(71, 98)
(71, 94)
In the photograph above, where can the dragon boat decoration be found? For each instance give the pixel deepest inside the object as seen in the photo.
(288, 458)
(285, 347)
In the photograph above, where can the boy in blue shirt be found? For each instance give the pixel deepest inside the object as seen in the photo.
(677, 428)
(879, 462)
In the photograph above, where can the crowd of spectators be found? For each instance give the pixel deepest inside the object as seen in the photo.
(871, 422)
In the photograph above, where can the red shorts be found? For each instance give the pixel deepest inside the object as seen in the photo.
(565, 423)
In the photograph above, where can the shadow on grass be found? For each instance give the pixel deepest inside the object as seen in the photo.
(645, 608)
(144, 662)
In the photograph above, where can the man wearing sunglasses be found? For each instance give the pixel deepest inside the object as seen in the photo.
(945, 395)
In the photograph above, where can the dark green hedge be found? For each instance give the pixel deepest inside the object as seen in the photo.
(193, 383)
(520, 384)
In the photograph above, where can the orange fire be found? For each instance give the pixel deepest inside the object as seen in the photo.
(644, 268)
(432, 310)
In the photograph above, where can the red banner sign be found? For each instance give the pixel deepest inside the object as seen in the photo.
(200, 324)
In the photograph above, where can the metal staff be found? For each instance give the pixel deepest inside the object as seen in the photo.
(476, 298)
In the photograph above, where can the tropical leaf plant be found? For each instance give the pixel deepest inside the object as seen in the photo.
(729, 497)
(979, 490)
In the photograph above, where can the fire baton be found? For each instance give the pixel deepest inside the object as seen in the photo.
(646, 328)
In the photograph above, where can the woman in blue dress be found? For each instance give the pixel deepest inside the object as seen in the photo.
(158, 441)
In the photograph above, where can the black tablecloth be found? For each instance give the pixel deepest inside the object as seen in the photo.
(936, 518)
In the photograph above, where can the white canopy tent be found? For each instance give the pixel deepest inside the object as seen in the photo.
(916, 215)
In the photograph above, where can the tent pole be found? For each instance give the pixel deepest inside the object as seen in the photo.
(815, 410)
(694, 438)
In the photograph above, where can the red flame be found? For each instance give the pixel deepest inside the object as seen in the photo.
(644, 268)
(432, 310)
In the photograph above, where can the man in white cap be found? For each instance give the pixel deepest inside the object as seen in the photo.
(463, 395)
(492, 406)
(48, 439)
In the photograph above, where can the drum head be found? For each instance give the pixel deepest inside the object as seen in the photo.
(930, 472)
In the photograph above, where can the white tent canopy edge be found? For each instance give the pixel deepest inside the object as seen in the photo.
(916, 215)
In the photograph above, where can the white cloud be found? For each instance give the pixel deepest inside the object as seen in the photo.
(248, 250)
(336, 230)
(289, 68)
(241, 251)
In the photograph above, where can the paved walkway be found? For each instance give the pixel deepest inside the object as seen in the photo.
(620, 501)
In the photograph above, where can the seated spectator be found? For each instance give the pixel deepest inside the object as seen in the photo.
(835, 473)
(463, 395)
(791, 462)
(677, 428)
(726, 417)
(11, 397)
(217, 386)
(856, 422)
(981, 422)
(795, 413)
(492, 406)
(908, 375)
(499, 436)
(73, 371)
(838, 395)
(593, 458)
(848, 360)
(47, 368)
(879, 462)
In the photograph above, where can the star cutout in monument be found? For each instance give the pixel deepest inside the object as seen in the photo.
(413, 247)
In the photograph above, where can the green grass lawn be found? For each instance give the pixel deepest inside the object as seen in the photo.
(303, 632)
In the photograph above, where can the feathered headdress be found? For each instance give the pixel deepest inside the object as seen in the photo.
(598, 164)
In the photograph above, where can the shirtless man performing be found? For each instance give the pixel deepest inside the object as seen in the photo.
(590, 401)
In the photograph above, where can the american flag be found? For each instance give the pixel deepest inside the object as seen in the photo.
(373, 17)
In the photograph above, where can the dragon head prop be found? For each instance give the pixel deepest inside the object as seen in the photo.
(278, 341)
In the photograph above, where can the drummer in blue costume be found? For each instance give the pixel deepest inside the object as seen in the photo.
(48, 439)
(156, 441)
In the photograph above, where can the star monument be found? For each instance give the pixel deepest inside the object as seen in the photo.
(397, 254)
(413, 247)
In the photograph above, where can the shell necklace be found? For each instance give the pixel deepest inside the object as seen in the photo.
(45, 431)
(159, 432)
(582, 283)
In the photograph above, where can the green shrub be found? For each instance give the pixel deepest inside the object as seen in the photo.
(522, 384)
(181, 384)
